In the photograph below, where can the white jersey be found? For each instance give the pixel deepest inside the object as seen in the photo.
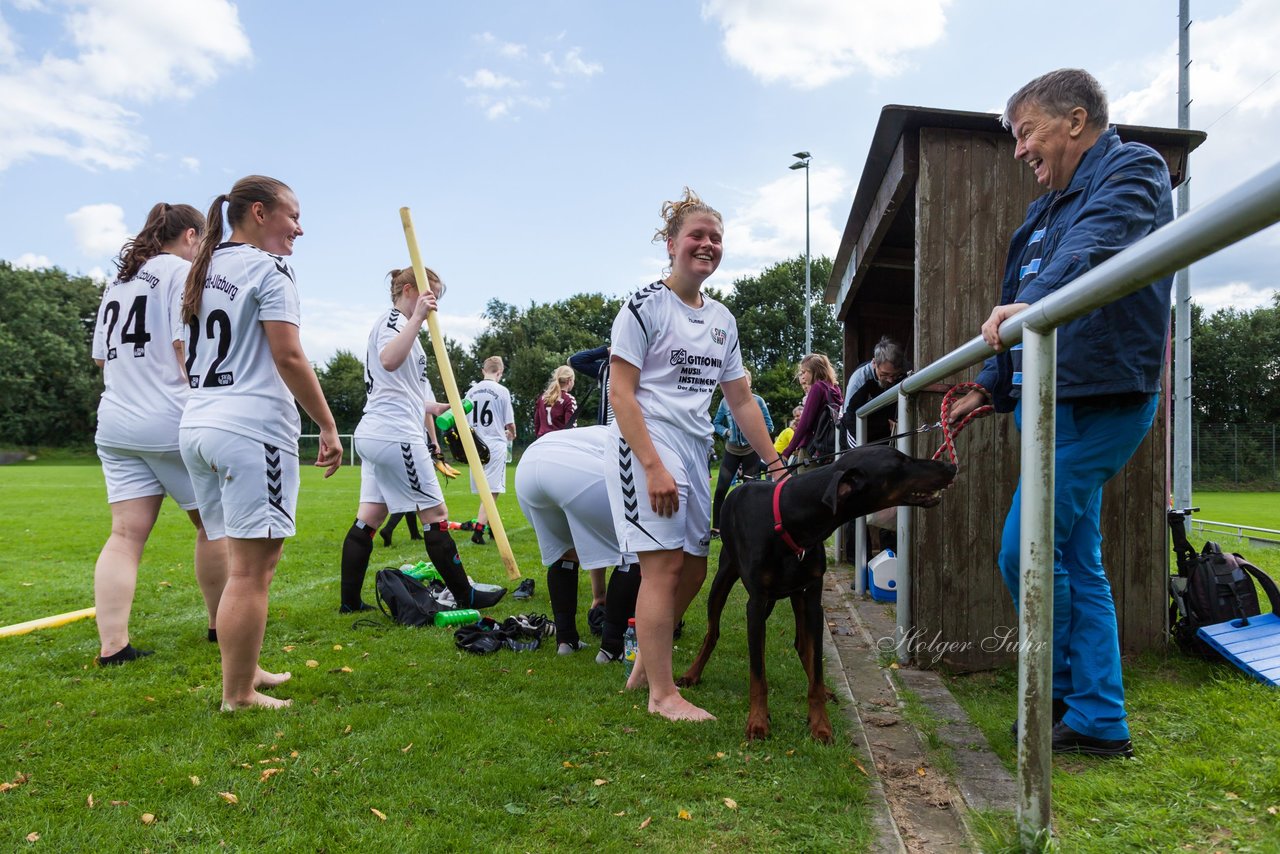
(683, 353)
(145, 389)
(491, 414)
(234, 382)
(395, 406)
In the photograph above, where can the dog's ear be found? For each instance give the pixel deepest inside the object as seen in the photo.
(843, 483)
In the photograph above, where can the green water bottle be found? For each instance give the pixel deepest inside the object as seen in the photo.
(460, 617)
(444, 421)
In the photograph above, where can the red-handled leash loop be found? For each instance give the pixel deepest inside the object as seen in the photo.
(948, 432)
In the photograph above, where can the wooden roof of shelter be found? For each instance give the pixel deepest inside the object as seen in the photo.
(871, 202)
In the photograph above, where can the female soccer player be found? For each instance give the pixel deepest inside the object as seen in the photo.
(240, 429)
(397, 473)
(555, 408)
(671, 346)
(136, 343)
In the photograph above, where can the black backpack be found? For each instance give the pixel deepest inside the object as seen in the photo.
(405, 599)
(1209, 588)
(823, 442)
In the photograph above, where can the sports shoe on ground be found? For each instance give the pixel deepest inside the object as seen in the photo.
(536, 624)
(486, 598)
(127, 654)
(570, 648)
(477, 535)
(347, 609)
(1067, 740)
(595, 620)
(525, 590)
(605, 657)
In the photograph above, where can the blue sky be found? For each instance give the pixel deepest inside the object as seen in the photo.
(535, 142)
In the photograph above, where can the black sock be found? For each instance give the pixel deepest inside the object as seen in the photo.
(356, 549)
(213, 635)
(444, 555)
(411, 519)
(128, 653)
(562, 590)
(619, 606)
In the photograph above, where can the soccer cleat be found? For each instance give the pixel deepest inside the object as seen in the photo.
(477, 534)
(525, 590)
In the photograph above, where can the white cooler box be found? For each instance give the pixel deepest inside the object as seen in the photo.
(882, 577)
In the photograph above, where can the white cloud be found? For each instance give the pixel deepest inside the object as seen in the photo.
(497, 107)
(191, 163)
(99, 229)
(8, 48)
(31, 261)
(486, 79)
(571, 63)
(77, 106)
(809, 43)
(769, 225)
(510, 50)
(1238, 295)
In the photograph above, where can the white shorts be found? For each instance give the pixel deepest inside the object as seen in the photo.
(639, 528)
(495, 471)
(245, 488)
(141, 474)
(560, 485)
(397, 474)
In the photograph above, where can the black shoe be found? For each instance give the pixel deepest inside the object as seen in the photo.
(525, 590)
(1067, 740)
(595, 620)
(386, 538)
(477, 536)
(344, 608)
(1059, 712)
(481, 599)
(535, 624)
(128, 653)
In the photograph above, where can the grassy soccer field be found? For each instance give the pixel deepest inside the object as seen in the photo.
(1255, 509)
(396, 740)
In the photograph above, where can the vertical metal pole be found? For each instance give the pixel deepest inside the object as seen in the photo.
(838, 542)
(1035, 596)
(808, 302)
(860, 528)
(1182, 288)
(905, 622)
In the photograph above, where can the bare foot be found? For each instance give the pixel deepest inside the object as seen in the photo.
(267, 679)
(677, 708)
(256, 700)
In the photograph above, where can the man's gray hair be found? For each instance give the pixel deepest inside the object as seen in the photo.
(1058, 93)
(889, 350)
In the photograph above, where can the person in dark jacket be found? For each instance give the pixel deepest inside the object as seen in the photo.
(595, 363)
(1104, 195)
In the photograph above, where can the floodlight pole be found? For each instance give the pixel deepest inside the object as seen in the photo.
(803, 163)
(1182, 288)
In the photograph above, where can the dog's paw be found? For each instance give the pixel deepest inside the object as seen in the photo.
(688, 680)
(821, 730)
(757, 728)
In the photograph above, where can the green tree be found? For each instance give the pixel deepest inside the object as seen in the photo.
(769, 308)
(535, 341)
(49, 387)
(343, 381)
(1235, 358)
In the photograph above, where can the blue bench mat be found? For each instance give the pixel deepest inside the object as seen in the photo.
(1254, 648)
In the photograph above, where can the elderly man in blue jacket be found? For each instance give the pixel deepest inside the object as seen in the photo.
(1104, 195)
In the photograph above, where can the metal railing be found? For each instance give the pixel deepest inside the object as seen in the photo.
(1247, 533)
(1233, 216)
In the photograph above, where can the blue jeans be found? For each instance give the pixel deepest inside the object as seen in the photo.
(1093, 444)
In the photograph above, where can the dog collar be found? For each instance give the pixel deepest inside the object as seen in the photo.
(777, 521)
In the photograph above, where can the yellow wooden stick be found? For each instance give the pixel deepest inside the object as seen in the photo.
(455, 402)
(46, 622)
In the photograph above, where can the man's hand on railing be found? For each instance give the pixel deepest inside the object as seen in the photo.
(999, 314)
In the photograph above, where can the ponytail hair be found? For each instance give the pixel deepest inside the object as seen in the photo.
(165, 223)
(244, 194)
(560, 379)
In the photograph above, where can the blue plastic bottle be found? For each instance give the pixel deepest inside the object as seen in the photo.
(629, 647)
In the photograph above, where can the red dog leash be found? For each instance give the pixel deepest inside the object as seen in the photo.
(949, 434)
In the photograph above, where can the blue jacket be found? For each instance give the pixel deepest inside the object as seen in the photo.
(728, 428)
(1119, 194)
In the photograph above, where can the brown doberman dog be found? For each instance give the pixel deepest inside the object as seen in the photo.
(773, 537)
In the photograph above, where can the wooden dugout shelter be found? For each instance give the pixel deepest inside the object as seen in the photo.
(921, 260)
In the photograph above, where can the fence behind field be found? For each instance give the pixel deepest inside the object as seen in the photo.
(1235, 456)
(309, 446)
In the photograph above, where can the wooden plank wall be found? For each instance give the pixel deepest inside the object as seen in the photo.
(970, 197)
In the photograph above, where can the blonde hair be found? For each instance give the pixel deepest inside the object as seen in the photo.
(560, 379)
(819, 367)
(400, 278)
(675, 213)
(493, 365)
